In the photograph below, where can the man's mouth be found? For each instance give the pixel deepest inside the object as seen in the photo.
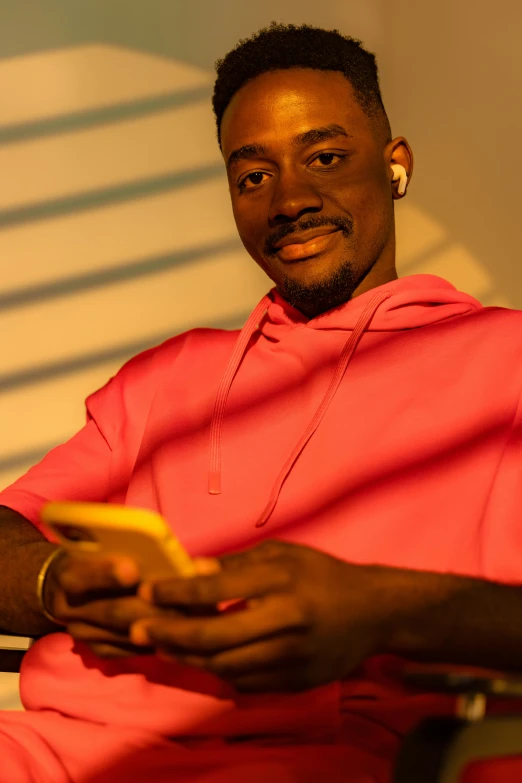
(296, 247)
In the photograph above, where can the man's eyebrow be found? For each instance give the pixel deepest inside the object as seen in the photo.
(315, 135)
(246, 152)
(312, 136)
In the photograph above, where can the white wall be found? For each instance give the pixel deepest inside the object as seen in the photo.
(453, 77)
(116, 232)
(115, 227)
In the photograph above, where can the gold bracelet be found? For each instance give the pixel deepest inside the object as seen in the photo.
(40, 584)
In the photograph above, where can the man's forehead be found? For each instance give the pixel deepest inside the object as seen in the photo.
(288, 104)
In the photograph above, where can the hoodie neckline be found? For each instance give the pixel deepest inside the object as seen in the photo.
(413, 301)
(240, 348)
(405, 303)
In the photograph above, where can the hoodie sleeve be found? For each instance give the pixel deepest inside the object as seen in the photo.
(76, 470)
(501, 524)
(95, 464)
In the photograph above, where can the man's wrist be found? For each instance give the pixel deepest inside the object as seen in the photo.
(420, 611)
(45, 584)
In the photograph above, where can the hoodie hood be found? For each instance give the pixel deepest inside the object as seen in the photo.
(411, 302)
(401, 304)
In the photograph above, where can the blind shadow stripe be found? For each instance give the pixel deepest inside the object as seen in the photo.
(23, 458)
(106, 115)
(112, 275)
(122, 352)
(95, 199)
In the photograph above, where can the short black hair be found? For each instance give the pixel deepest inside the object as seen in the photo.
(284, 46)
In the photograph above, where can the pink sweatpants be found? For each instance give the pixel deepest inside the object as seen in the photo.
(47, 747)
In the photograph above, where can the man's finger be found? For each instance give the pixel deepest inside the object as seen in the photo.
(103, 650)
(203, 635)
(256, 580)
(115, 614)
(85, 575)
(105, 643)
(203, 566)
(229, 664)
(267, 551)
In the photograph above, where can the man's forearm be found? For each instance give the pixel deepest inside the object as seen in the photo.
(22, 553)
(447, 618)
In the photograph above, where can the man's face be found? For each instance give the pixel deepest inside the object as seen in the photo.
(309, 176)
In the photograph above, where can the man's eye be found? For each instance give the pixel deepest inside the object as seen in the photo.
(251, 180)
(326, 159)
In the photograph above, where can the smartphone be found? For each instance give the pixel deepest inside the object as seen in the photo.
(102, 528)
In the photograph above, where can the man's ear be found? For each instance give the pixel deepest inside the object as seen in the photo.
(399, 159)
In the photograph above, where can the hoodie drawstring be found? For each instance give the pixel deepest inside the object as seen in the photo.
(344, 360)
(214, 478)
(216, 427)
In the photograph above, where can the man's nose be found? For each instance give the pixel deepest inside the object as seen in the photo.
(293, 197)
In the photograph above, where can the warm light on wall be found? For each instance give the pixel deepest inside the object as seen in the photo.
(116, 231)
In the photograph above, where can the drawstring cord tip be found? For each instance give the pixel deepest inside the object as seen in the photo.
(214, 484)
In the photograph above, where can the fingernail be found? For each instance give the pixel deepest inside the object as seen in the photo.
(139, 635)
(145, 592)
(204, 566)
(126, 572)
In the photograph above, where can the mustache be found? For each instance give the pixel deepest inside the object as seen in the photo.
(344, 224)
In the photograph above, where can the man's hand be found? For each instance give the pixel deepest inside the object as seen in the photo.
(95, 597)
(305, 619)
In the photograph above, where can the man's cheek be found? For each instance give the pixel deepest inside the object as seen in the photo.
(373, 210)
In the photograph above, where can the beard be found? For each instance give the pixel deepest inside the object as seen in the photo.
(323, 295)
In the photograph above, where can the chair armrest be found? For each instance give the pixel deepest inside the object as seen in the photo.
(440, 748)
(9, 641)
(494, 737)
(12, 650)
(462, 680)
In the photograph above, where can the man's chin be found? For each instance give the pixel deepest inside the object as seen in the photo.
(315, 296)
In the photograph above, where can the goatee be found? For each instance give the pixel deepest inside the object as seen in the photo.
(319, 297)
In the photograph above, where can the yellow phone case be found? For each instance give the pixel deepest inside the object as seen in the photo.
(139, 533)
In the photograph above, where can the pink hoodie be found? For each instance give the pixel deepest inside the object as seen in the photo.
(387, 431)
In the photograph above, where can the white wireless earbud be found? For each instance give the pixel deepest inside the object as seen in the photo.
(400, 173)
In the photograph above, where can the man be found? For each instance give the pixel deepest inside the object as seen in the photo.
(368, 426)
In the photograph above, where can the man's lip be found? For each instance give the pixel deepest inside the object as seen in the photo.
(305, 236)
(298, 251)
